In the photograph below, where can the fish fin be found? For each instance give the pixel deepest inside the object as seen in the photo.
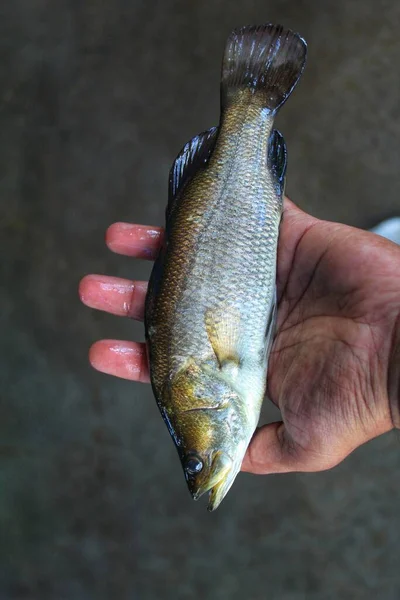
(267, 59)
(277, 159)
(191, 158)
(271, 326)
(223, 330)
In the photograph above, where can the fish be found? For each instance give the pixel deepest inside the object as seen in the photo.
(210, 311)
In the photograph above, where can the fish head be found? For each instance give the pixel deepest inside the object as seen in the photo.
(212, 430)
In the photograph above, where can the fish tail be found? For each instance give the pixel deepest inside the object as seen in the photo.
(267, 60)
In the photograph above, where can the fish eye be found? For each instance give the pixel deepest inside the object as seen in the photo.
(193, 464)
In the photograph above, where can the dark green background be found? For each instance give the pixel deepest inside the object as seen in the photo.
(97, 97)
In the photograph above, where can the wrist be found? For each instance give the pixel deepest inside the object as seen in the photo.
(394, 375)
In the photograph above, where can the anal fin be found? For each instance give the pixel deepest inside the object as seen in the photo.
(277, 159)
(271, 325)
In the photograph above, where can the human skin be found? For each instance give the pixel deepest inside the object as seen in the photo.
(334, 369)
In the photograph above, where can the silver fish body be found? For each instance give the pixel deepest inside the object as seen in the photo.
(211, 305)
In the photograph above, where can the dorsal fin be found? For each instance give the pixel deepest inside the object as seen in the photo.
(277, 159)
(191, 158)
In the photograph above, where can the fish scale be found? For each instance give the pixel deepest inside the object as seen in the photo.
(211, 303)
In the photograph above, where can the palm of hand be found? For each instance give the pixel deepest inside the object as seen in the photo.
(328, 367)
(329, 361)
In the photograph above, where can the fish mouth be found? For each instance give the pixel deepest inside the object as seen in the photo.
(218, 483)
(219, 491)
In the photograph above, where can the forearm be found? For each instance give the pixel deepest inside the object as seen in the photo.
(394, 373)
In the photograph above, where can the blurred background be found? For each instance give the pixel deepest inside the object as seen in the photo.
(97, 97)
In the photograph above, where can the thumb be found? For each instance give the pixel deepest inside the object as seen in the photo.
(273, 450)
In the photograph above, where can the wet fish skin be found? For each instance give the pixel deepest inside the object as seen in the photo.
(211, 304)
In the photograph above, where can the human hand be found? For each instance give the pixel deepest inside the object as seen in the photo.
(334, 369)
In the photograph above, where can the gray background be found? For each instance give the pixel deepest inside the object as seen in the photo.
(97, 97)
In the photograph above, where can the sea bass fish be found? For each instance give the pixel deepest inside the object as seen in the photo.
(211, 303)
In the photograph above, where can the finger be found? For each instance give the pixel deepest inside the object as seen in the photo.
(140, 241)
(289, 205)
(127, 360)
(121, 297)
(265, 452)
(272, 450)
(295, 225)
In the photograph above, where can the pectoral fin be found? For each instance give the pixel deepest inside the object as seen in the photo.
(223, 330)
